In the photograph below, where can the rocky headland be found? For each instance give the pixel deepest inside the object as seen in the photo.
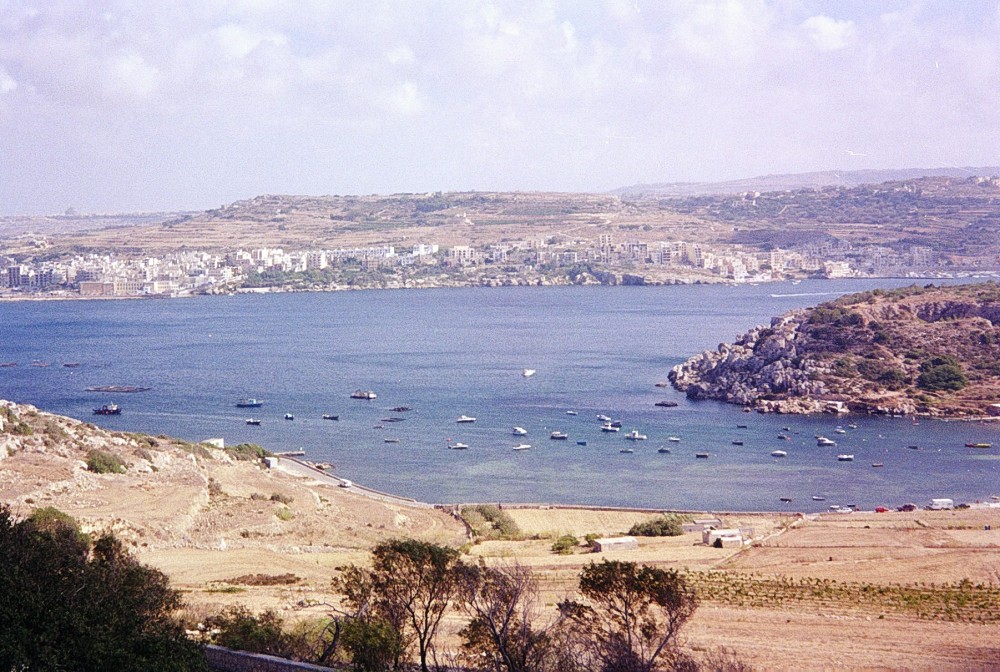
(917, 350)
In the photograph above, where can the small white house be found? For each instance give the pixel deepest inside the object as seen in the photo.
(271, 461)
(215, 443)
(615, 544)
(729, 536)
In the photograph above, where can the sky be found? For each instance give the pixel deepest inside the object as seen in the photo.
(126, 106)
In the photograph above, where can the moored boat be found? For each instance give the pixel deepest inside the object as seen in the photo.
(522, 446)
(253, 422)
(108, 409)
(558, 436)
(608, 427)
(634, 435)
(666, 404)
(363, 394)
(981, 444)
(465, 418)
(663, 450)
(519, 431)
(844, 457)
(627, 450)
(823, 441)
(458, 446)
(400, 409)
(327, 416)
(674, 439)
(778, 453)
(528, 373)
(249, 403)
(701, 456)
(289, 416)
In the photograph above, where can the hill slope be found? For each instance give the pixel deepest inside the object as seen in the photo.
(932, 351)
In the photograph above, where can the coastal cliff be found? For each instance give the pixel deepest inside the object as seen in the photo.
(917, 350)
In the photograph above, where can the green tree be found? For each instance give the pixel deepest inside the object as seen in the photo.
(409, 587)
(630, 620)
(68, 604)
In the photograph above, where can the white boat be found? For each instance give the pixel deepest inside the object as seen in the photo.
(465, 418)
(778, 453)
(571, 413)
(519, 431)
(634, 435)
(840, 430)
(844, 457)
(289, 416)
(558, 436)
(674, 439)
(608, 427)
(603, 418)
(522, 446)
(823, 441)
(818, 498)
(458, 446)
(363, 394)
(528, 373)
(627, 450)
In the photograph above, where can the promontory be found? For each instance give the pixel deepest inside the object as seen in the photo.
(932, 350)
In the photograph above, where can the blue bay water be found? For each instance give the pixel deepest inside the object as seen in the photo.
(596, 350)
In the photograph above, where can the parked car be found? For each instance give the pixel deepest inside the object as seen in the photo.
(907, 507)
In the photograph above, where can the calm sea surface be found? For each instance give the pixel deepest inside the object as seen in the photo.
(445, 353)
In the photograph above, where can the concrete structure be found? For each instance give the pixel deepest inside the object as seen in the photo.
(615, 544)
(725, 537)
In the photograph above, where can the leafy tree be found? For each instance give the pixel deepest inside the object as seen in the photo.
(503, 605)
(408, 587)
(374, 645)
(70, 605)
(630, 620)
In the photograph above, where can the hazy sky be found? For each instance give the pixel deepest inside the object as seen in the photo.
(188, 104)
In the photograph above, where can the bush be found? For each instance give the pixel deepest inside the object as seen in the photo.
(103, 462)
(941, 377)
(667, 525)
(565, 544)
(284, 499)
(240, 629)
(490, 522)
(247, 451)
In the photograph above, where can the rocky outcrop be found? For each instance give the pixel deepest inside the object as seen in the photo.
(866, 352)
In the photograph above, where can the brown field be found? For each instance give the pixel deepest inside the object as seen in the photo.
(818, 592)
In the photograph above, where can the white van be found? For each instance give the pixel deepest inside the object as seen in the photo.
(942, 504)
(344, 483)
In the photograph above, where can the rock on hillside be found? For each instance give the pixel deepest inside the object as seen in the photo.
(930, 350)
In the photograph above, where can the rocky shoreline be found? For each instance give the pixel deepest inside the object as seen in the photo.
(866, 353)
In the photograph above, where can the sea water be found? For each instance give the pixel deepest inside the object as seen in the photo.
(446, 353)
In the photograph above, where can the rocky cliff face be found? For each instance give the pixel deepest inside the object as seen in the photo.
(926, 350)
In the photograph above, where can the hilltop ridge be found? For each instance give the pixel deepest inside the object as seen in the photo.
(916, 350)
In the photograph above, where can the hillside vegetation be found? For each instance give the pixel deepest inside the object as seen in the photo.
(927, 350)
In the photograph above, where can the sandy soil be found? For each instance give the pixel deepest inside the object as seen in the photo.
(208, 520)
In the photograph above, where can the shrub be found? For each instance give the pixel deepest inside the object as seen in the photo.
(240, 629)
(565, 544)
(247, 451)
(941, 377)
(284, 499)
(103, 462)
(284, 513)
(667, 525)
(490, 522)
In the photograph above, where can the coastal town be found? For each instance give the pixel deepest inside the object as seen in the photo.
(425, 265)
(919, 228)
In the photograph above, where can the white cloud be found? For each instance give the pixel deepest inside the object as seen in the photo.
(405, 99)
(7, 83)
(829, 34)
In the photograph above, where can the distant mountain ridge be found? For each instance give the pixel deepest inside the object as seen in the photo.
(792, 181)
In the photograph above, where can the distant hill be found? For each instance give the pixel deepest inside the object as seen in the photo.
(931, 351)
(792, 181)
